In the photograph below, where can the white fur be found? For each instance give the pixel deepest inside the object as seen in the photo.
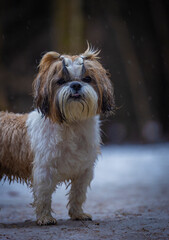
(74, 67)
(78, 110)
(61, 153)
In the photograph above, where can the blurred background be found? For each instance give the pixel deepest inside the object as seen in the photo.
(134, 40)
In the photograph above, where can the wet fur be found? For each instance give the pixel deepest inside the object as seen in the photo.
(59, 141)
(15, 152)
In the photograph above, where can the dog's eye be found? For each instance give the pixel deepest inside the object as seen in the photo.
(87, 79)
(61, 81)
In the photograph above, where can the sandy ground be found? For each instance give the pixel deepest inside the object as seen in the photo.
(128, 199)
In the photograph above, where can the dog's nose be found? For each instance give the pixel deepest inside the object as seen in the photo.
(76, 86)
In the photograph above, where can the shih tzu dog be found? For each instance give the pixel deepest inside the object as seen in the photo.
(59, 141)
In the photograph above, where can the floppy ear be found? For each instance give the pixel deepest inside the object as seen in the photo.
(40, 92)
(41, 101)
(47, 60)
(108, 103)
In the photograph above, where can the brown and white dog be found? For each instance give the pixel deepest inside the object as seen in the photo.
(59, 141)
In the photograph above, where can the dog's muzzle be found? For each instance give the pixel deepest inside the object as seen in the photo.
(76, 90)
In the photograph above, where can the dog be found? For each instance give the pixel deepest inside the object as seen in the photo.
(58, 141)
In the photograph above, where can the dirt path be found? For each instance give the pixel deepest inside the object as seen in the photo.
(129, 199)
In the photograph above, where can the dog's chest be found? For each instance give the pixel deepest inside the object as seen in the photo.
(67, 149)
(75, 151)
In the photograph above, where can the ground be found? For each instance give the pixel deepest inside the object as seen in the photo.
(128, 199)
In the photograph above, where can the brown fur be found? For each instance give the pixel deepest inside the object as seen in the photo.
(45, 86)
(15, 154)
(106, 93)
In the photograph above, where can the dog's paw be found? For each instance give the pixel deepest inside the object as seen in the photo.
(81, 216)
(46, 220)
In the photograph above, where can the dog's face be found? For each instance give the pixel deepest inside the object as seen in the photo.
(72, 88)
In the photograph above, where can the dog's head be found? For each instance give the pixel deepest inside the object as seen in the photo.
(72, 88)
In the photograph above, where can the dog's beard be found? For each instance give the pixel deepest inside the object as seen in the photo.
(80, 108)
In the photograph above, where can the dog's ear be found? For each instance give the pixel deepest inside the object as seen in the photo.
(108, 102)
(47, 60)
(41, 101)
(40, 92)
(96, 70)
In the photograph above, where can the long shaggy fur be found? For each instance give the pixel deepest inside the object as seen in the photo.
(59, 140)
(15, 152)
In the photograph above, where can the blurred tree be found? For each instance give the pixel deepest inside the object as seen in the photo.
(160, 20)
(133, 72)
(68, 26)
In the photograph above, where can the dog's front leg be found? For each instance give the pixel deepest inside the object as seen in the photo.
(77, 195)
(43, 187)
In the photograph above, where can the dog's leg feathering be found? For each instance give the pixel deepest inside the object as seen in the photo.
(77, 196)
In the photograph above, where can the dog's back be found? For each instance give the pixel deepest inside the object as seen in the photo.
(15, 154)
